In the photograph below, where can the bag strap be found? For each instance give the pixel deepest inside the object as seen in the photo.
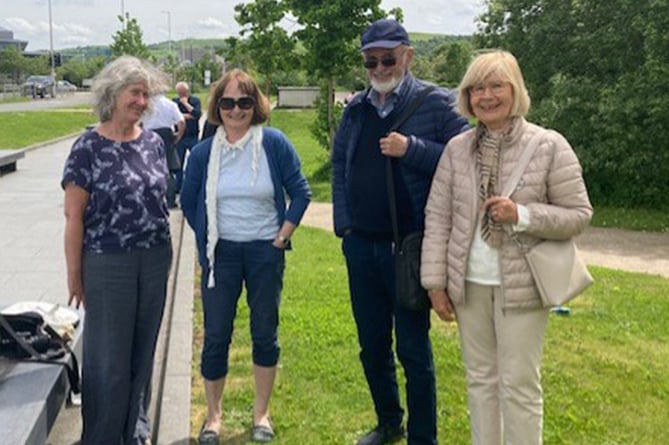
(523, 162)
(72, 369)
(521, 165)
(390, 177)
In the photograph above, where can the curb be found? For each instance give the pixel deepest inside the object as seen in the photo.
(50, 142)
(173, 407)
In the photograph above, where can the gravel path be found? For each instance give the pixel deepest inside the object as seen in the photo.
(644, 252)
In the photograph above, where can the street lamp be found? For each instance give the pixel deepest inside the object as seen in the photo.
(53, 59)
(169, 29)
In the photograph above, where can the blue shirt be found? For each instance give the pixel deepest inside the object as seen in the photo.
(285, 171)
(127, 182)
(245, 198)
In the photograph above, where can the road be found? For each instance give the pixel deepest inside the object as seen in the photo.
(63, 101)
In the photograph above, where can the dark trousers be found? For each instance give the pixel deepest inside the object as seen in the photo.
(125, 298)
(258, 265)
(173, 163)
(185, 144)
(372, 286)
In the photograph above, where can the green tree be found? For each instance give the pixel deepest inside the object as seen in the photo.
(268, 45)
(330, 33)
(128, 40)
(12, 63)
(597, 72)
(451, 61)
(76, 70)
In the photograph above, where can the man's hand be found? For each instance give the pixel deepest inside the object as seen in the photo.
(441, 304)
(394, 145)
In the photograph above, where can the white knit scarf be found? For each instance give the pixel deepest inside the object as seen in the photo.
(219, 145)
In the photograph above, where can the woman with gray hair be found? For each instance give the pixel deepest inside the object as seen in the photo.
(117, 248)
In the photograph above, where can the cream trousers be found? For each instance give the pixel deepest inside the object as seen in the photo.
(502, 353)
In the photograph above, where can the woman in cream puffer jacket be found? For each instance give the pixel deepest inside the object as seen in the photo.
(474, 270)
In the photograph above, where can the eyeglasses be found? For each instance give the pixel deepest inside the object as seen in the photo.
(228, 103)
(480, 88)
(372, 63)
(387, 61)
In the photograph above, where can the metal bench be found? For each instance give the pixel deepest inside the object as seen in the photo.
(8, 160)
(32, 395)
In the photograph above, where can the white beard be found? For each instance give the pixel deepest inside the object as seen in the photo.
(385, 87)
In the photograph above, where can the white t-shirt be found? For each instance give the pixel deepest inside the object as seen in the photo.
(165, 114)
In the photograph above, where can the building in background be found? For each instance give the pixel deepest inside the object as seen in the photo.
(7, 39)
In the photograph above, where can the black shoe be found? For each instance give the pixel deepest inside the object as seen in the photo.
(382, 434)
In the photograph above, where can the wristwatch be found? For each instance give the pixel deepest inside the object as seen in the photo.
(284, 240)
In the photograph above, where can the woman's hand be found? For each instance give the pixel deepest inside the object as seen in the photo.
(502, 210)
(441, 304)
(76, 291)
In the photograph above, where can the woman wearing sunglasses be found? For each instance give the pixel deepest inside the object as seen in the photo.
(233, 197)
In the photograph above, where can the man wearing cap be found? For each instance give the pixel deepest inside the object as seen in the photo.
(362, 219)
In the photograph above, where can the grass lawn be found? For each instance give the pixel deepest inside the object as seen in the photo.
(315, 160)
(23, 129)
(605, 376)
(14, 99)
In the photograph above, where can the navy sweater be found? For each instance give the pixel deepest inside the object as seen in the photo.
(429, 129)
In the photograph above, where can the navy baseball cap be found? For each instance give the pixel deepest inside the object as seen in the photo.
(384, 33)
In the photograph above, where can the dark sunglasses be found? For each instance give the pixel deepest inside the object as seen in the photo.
(371, 64)
(228, 103)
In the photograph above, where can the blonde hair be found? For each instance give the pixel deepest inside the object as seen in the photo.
(124, 71)
(503, 64)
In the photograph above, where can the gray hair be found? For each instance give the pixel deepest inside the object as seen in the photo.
(124, 71)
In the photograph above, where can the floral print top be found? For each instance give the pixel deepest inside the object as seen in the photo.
(126, 182)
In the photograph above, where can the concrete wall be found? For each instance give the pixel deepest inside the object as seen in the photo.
(297, 97)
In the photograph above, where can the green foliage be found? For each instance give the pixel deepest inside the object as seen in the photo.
(597, 72)
(330, 34)
(23, 129)
(128, 40)
(450, 62)
(76, 70)
(269, 46)
(17, 66)
(320, 128)
(604, 368)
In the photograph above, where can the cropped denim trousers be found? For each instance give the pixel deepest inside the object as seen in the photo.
(258, 266)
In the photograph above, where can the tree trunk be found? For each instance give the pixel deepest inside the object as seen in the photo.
(331, 123)
(268, 90)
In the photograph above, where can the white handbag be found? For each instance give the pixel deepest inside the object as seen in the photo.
(559, 273)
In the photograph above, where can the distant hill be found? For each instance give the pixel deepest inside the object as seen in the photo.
(423, 42)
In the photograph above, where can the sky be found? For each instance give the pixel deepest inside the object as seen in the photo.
(93, 22)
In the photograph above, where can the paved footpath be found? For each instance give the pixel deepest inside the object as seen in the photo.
(32, 267)
(612, 248)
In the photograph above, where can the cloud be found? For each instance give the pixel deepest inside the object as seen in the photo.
(21, 26)
(211, 23)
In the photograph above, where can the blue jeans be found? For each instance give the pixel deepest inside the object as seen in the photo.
(371, 273)
(259, 265)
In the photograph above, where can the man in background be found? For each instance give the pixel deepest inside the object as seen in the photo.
(166, 120)
(191, 109)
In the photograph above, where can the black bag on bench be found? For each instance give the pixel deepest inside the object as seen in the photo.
(26, 337)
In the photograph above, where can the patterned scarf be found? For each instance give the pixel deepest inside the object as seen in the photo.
(488, 149)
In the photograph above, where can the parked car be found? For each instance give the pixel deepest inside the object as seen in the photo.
(39, 86)
(64, 86)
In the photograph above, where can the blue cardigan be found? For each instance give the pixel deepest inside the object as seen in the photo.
(429, 129)
(284, 167)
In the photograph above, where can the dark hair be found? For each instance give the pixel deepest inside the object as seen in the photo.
(247, 85)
